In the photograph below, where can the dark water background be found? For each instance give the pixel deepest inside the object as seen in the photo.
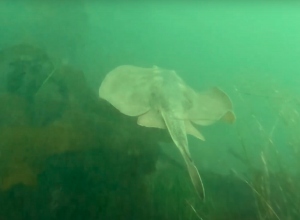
(250, 50)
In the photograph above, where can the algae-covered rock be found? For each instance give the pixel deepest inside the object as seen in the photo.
(24, 67)
(60, 134)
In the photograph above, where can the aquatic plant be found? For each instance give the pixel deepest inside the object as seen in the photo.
(273, 181)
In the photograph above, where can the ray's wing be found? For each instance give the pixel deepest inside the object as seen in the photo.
(210, 106)
(128, 89)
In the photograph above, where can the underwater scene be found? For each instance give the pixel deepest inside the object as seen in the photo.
(149, 110)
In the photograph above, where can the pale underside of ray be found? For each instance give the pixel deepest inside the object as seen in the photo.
(128, 88)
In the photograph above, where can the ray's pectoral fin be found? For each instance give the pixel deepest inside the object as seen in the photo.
(211, 106)
(151, 119)
(128, 89)
(229, 117)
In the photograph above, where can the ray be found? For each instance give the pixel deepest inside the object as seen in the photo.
(161, 99)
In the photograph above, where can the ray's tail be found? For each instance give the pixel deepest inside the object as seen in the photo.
(195, 176)
(176, 129)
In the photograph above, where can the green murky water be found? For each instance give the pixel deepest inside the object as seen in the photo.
(66, 154)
